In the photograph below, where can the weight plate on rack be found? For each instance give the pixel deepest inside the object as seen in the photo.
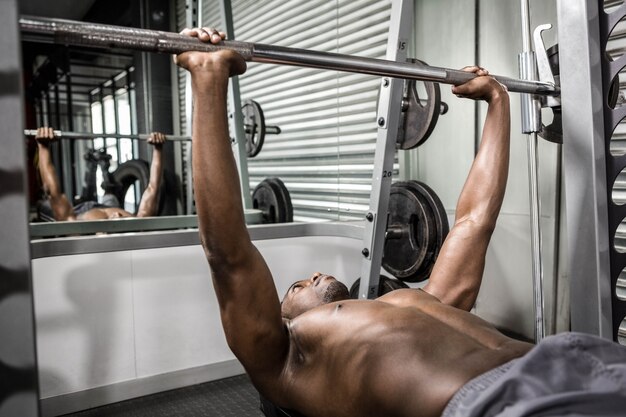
(419, 117)
(273, 199)
(254, 124)
(417, 226)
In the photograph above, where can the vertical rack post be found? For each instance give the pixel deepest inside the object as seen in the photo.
(531, 123)
(191, 21)
(19, 391)
(387, 120)
(585, 166)
(235, 114)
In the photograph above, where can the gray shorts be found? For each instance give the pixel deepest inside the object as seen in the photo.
(570, 374)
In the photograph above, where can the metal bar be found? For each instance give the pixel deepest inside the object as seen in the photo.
(61, 134)
(86, 85)
(234, 104)
(191, 20)
(89, 135)
(103, 115)
(535, 237)
(67, 148)
(48, 111)
(74, 63)
(98, 78)
(116, 117)
(585, 167)
(531, 124)
(57, 109)
(108, 36)
(125, 225)
(388, 122)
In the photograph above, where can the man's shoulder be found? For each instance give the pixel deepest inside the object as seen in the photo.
(408, 297)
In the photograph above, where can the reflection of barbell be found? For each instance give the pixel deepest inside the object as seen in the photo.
(62, 134)
(108, 36)
(254, 128)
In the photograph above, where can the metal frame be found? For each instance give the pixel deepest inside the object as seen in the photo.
(89, 135)
(584, 165)
(531, 124)
(127, 224)
(77, 245)
(614, 164)
(236, 115)
(192, 21)
(19, 392)
(388, 121)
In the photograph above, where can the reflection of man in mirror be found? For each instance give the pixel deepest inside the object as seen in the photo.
(92, 210)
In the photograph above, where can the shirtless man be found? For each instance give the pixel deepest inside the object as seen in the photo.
(61, 207)
(406, 353)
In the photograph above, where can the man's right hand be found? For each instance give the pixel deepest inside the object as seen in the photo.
(482, 87)
(196, 62)
(157, 139)
(45, 136)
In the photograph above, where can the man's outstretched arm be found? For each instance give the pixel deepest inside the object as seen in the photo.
(150, 198)
(458, 272)
(249, 304)
(61, 207)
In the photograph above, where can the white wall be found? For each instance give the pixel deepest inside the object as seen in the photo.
(105, 318)
(445, 36)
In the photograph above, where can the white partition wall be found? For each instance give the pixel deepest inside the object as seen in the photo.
(116, 325)
(487, 32)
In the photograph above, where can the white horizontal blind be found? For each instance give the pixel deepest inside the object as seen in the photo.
(325, 152)
(616, 46)
(211, 15)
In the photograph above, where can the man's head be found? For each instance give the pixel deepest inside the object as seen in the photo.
(309, 293)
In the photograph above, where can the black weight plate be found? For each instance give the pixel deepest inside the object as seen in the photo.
(286, 211)
(385, 285)
(273, 199)
(438, 211)
(403, 256)
(415, 208)
(419, 120)
(254, 123)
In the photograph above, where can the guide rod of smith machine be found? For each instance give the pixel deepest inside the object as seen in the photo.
(108, 36)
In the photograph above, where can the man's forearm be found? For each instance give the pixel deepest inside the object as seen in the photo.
(47, 172)
(217, 190)
(156, 167)
(148, 206)
(483, 192)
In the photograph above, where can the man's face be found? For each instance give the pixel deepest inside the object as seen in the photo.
(318, 290)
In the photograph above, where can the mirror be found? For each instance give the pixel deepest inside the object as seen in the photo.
(320, 125)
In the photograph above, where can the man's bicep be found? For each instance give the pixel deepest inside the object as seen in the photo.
(251, 316)
(457, 274)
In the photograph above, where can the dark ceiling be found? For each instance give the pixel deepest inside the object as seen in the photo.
(64, 9)
(59, 59)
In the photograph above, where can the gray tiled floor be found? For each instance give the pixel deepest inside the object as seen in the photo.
(231, 397)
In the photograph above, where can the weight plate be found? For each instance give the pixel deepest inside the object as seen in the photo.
(254, 123)
(418, 120)
(417, 226)
(385, 285)
(273, 199)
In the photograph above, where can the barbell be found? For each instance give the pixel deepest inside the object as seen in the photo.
(255, 130)
(108, 36)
